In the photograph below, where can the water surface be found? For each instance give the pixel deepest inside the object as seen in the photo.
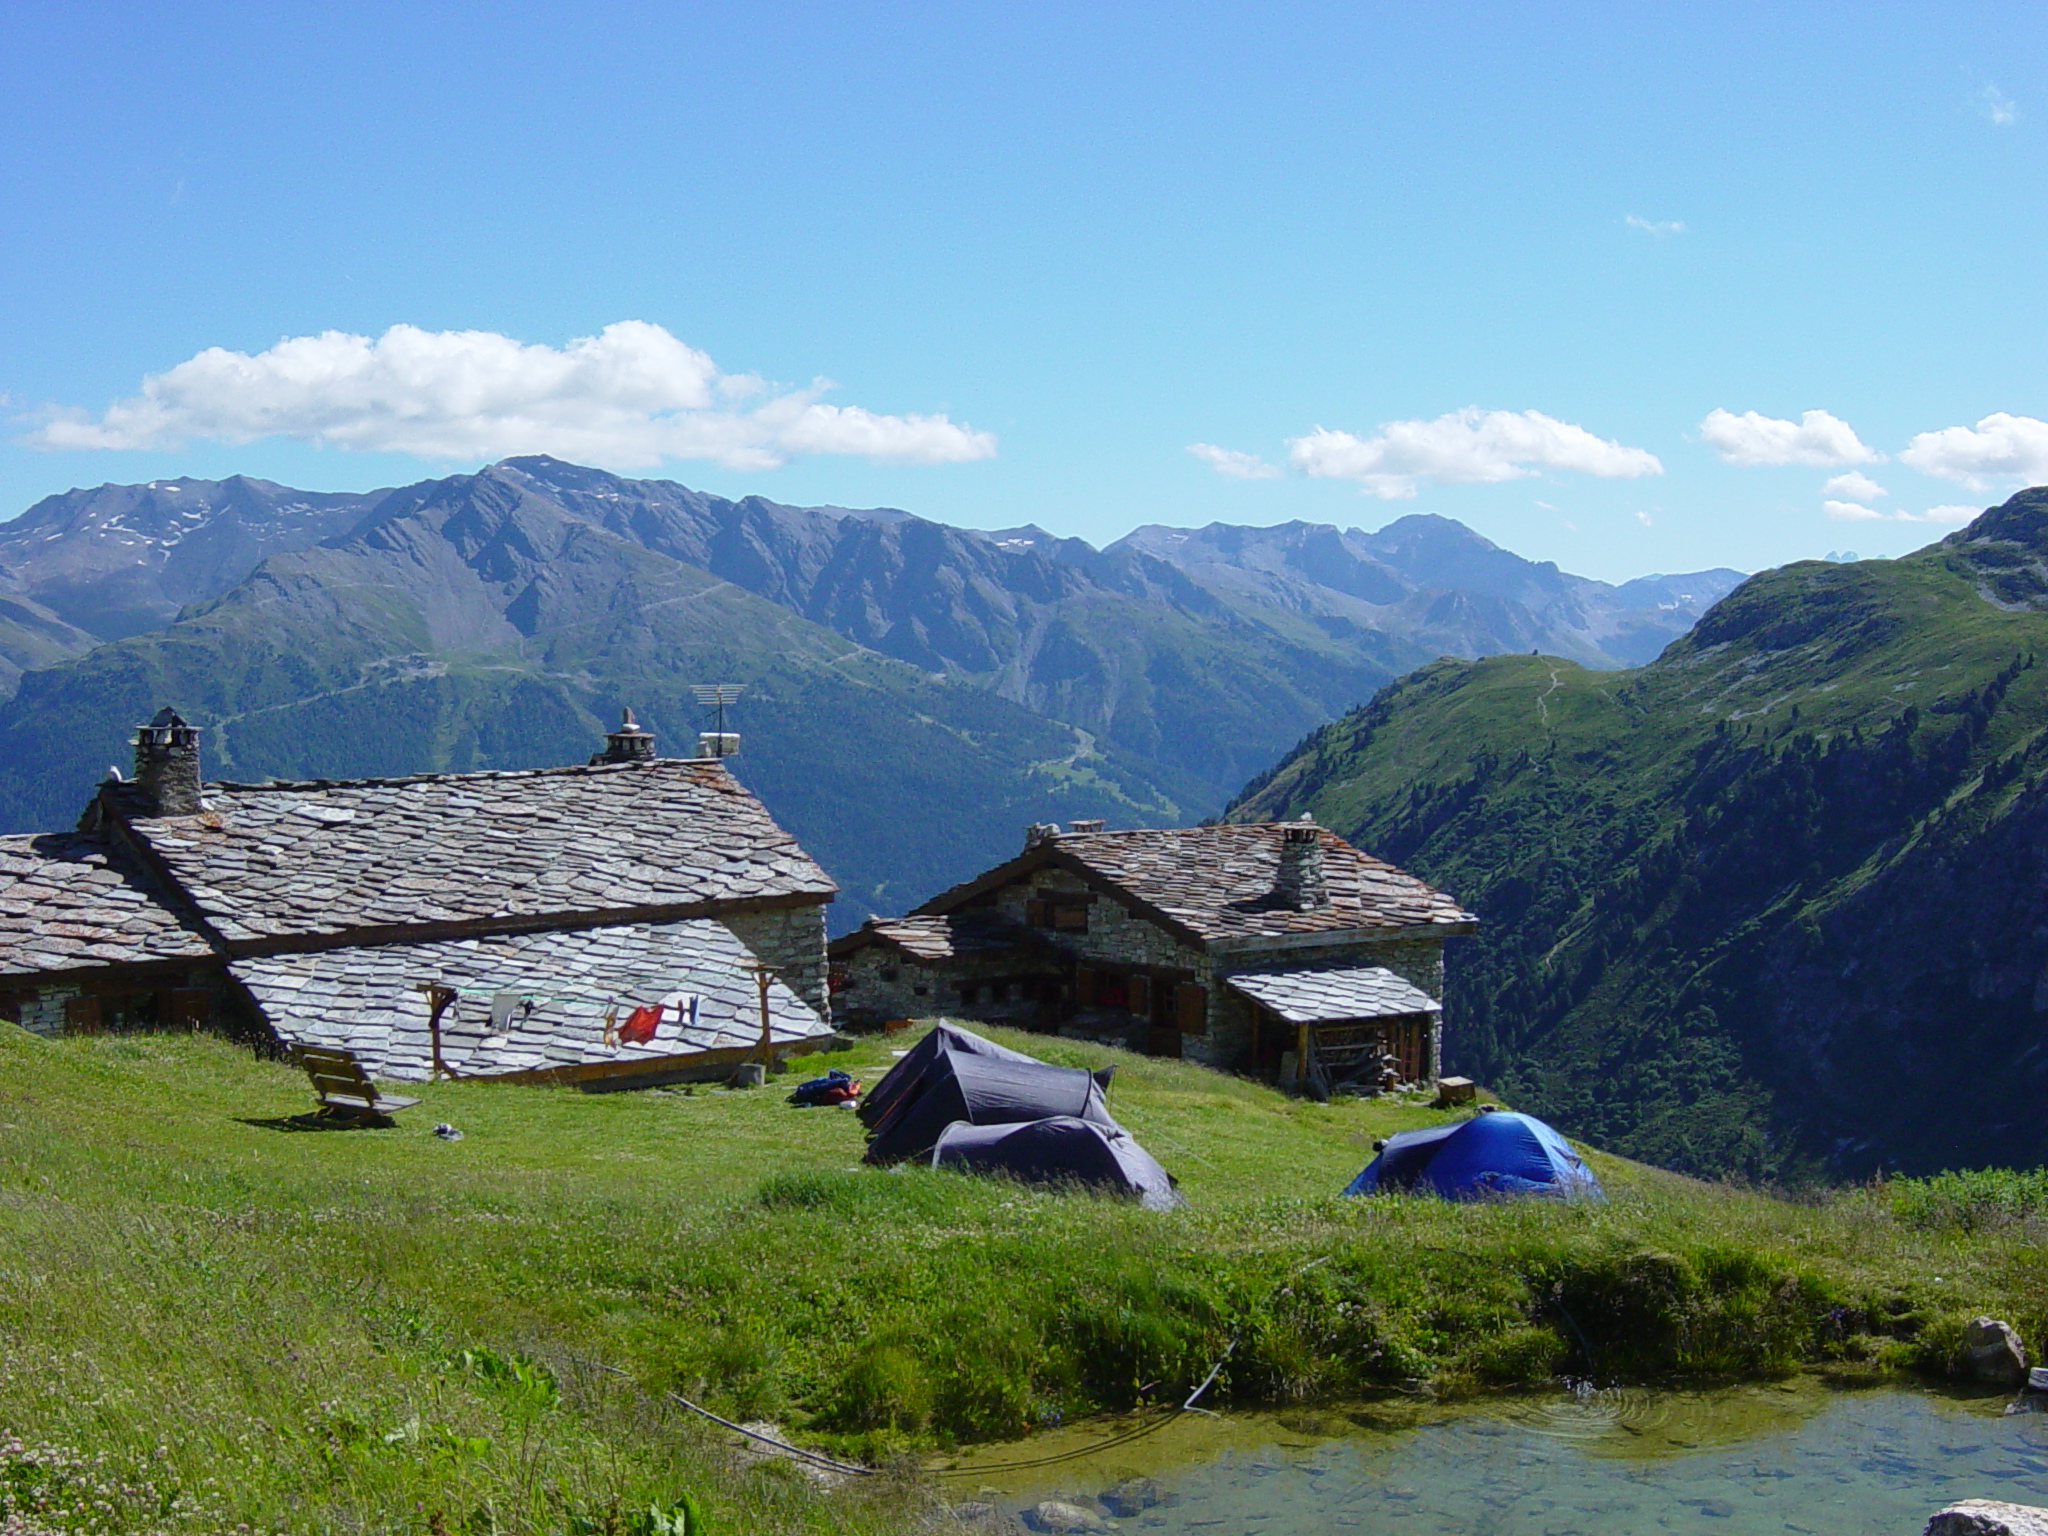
(1595, 1463)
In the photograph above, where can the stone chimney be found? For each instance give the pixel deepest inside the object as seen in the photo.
(1039, 833)
(1087, 826)
(167, 765)
(1299, 884)
(628, 744)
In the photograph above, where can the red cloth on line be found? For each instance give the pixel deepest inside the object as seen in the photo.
(641, 1024)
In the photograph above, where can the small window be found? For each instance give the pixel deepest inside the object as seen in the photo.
(890, 973)
(1070, 917)
(919, 991)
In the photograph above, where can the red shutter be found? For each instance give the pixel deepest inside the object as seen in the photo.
(1191, 1003)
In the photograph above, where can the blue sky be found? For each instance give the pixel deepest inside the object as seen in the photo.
(1040, 252)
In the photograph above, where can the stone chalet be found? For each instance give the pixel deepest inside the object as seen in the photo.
(1277, 949)
(480, 924)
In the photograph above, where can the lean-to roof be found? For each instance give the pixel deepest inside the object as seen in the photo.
(1328, 995)
(558, 987)
(948, 936)
(69, 901)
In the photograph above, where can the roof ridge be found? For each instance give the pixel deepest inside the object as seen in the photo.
(285, 785)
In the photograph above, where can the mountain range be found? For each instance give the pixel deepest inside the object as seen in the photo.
(917, 692)
(1774, 904)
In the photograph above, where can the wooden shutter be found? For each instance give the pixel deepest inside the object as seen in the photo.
(1037, 915)
(1139, 997)
(1084, 985)
(82, 1016)
(1191, 1004)
(191, 1007)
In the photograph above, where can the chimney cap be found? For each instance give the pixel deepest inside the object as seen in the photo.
(628, 744)
(1093, 824)
(166, 717)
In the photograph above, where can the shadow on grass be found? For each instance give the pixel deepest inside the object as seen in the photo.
(313, 1122)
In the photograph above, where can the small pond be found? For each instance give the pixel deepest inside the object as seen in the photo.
(1796, 1457)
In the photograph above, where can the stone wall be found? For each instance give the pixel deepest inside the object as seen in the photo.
(42, 1011)
(792, 939)
(884, 984)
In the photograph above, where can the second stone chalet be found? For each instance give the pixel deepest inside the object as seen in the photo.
(627, 920)
(1274, 948)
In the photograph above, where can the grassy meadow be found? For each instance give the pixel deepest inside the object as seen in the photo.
(210, 1319)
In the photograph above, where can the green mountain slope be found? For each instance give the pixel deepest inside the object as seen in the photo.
(485, 628)
(1777, 901)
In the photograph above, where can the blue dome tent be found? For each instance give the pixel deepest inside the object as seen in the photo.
(1489, 1155)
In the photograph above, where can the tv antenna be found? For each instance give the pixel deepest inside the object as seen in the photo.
(715, 697)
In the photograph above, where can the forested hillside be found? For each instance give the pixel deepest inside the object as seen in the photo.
(1773, 904)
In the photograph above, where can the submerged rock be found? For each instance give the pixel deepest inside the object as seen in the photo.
(1993, 1354)
(1988, 1517)
(1133, 1496)
(1070, 1519)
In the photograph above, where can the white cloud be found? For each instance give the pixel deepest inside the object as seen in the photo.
(1854, 485)
(1466, 447)
(1816, 438)
(2000, 447)
(1239, 466)
(1643, 518)
(1852, 512)
(1997, 107)
(629, 397)
(1659, 228)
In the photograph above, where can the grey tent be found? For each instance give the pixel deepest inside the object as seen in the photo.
(904, 1081)
(1060, 1149)
(983, 1090)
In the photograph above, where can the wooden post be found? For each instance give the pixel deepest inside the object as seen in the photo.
(438, 999)
(763, 974)
(1301, 1054)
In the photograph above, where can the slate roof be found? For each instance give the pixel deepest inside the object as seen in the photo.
(364, 999)
(1330, 994)
(945, 937)
(270, 862)
(69, 902)
(1215, 883)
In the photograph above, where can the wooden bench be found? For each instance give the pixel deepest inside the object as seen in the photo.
(344, 1089)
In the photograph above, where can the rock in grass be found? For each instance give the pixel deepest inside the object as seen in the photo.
(1071, 1519)
(1988, 1517)
(1993, 1354)
(1132, 1496)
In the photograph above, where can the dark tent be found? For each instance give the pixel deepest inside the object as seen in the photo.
(905, 1079)
(1496, 1154)
(983, 1090)
(1059, 1150)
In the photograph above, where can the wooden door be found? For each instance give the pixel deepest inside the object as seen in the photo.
(1191, 1007)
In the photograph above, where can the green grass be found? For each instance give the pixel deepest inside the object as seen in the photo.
(378, 1330)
